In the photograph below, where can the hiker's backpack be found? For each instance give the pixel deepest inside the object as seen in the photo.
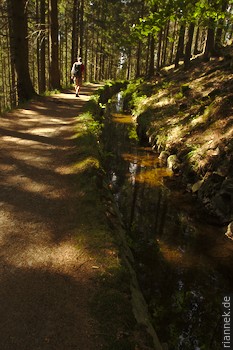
(77, 70)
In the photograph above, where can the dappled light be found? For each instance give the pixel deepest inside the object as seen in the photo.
(116, 174)
(153, 177)
(122, 118)
(45, 269)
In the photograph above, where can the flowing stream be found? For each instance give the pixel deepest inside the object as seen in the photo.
(183, 262)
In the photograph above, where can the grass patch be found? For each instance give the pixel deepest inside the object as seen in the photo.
(51, 92)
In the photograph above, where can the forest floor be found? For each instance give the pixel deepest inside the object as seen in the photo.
(55, 249)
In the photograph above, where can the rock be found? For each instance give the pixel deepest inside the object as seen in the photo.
(216, 193)
(229, 232)
(211, 186)
(197, 186)
(227, 186)
(208, 190)
(223, 200)
(164, 156)
(173, 163)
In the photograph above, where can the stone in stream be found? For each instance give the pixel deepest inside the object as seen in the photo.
(173, 163)
(229, 232)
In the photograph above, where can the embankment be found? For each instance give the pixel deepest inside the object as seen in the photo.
(187, 117)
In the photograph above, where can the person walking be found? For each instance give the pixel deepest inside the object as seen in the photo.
(77, 75)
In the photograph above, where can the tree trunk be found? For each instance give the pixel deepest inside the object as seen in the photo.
(129, 65)
(188, 47)
(196, 51)
(86, 55)
(152, 57)
(210, 43)
(148, 55)
(54, 47)
(173, 42)
(81, 31)
(67, 70)
(12, 75)
(165, 44)
(138, 62)
(159, 50)
(19, 48)
(74, 49)
(219, 31)
(42, 80)
(180, 47)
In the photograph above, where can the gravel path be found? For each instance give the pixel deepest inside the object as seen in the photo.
(46, 280)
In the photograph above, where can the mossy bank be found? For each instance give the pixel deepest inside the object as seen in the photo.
(117, 302)
(187, 117)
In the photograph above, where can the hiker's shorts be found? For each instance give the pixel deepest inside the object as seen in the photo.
(78, 81)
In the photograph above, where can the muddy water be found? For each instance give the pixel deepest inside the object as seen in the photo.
(184, 264)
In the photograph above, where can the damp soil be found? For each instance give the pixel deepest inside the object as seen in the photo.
(183, 261)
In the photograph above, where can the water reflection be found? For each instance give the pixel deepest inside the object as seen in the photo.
(121, 118)
(183, 265)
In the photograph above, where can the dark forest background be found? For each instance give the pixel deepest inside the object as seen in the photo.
(117, 39)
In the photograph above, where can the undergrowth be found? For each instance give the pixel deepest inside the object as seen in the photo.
(178, 109)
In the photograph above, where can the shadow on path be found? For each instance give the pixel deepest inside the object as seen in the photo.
(44, 294)
(43, 310)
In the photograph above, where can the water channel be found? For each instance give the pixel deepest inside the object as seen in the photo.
(183, 262)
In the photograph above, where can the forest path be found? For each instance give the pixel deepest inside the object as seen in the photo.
(46, 279)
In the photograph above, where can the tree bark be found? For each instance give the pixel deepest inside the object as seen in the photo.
(165, 43)
(19, 48)
(74, 49)
(81, 31)
(138, 62)
(42, 81)
(129, 65)
(54, 47)
(148, 54)
(196, 51)
(210, 42)
(152, 57)
(159, 49)
(188, 47)
(219, 31)
(11, 59)
(180, 47)
(173, 42)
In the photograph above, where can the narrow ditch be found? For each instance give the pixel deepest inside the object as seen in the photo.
(182, 261)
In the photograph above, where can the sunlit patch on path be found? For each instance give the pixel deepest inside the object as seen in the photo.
(45, 273)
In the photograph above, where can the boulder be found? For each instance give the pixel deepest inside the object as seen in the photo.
(229, 232)
(173, 163)
(197, 186)
(164, 156)
(223, 200)
(216, 193)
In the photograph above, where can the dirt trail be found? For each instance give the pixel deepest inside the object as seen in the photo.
(46, 280)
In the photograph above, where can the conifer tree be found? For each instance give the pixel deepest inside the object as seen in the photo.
(17, 14)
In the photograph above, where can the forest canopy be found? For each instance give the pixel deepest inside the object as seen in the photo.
(117, 39)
